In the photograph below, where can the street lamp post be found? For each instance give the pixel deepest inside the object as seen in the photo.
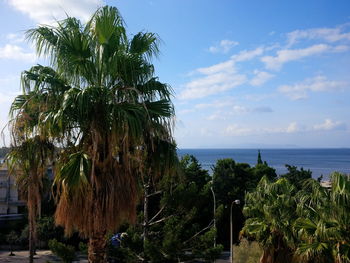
(237, 202)
(214, 221)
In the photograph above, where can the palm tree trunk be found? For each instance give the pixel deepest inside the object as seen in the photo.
(97, 248)
(145, 214)
(267, 256)
(31, 243)
(32, 226)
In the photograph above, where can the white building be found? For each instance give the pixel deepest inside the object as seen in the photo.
(9, 200)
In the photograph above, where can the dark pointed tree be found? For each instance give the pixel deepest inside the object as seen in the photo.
(259, 161)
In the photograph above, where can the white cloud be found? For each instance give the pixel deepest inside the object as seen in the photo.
(327, 34)
(216, 104)
(216, 116)
(223, 47)
(246, 55)
(316, 84)
(219, 77)
(227, 66)
(48, 11)
(185, 111)
(285, 55)
(10, 51)
(237, 110)
(341, 48)
(262, 109)
(206, 132)
(224, 109)
(329, 125)
(236, 130)
(211, 84)
(240, 109)
(259, 97)
(260, 78)
(7, 98)
(292, 127)
(224, 76)
(15, 38)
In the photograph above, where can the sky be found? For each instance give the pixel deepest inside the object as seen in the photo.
(245, 74)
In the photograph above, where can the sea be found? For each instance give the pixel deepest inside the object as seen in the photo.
(319, 161)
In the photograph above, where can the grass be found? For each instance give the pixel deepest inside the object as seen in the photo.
(247, 252)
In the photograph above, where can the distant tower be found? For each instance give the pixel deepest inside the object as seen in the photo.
(259, 158)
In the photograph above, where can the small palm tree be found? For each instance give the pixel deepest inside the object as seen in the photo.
(324, 220)
(28, 162)
(270, 210)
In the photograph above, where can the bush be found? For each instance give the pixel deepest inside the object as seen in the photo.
(47, 230)
(65, 252)
(24, 236)
(83, 248)
(153, 253)
(122, 254)
(247, 252)
(205, 249)
(11, 238)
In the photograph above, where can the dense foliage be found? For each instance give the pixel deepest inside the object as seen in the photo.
(306, 225)
(65, 252)
(181, 215)
(181, 219)
(292, 220)
(231, 181)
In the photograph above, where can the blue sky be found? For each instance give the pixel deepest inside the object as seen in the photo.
(257, 74)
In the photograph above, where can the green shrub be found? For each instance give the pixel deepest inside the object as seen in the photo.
(122, 254)
(24, 236)
(152, 252)
(12, 238)
(83, 248)
(204, 247)
(65, 252)
(247, 252)
(47, 230)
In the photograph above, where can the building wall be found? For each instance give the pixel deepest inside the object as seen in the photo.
(8, 193)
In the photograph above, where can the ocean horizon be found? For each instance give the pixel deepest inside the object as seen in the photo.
(321, 161)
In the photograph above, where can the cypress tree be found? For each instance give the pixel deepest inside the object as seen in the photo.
(259, 158)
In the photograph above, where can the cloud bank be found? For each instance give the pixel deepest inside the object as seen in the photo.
(48, 11)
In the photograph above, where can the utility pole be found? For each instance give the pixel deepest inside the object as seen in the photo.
(237, 202)
(214, 210)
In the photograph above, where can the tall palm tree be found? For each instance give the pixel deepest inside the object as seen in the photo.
(28, 162)
(97, 99)
(271, 212)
